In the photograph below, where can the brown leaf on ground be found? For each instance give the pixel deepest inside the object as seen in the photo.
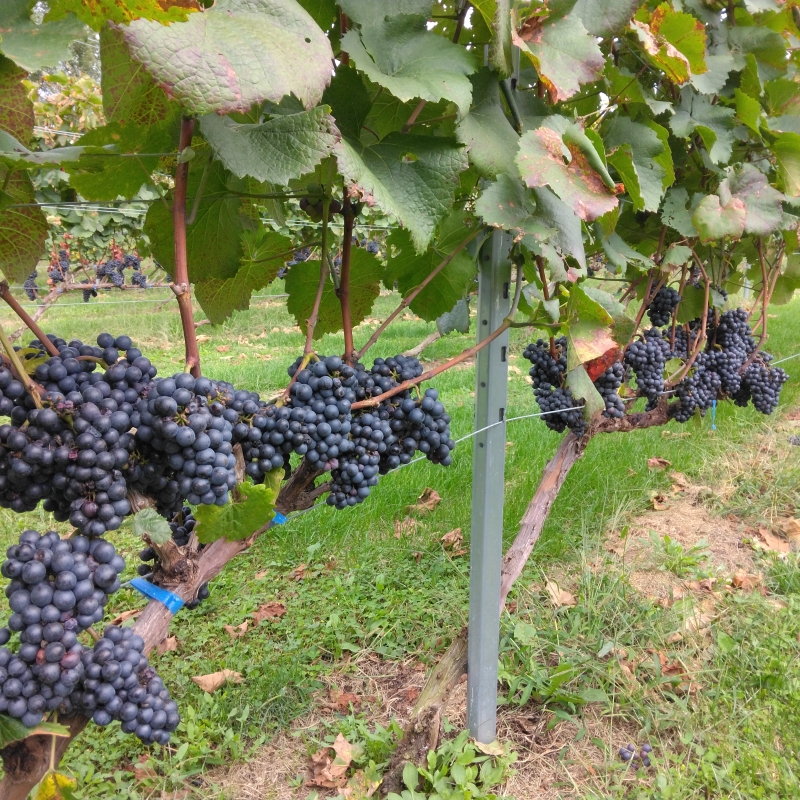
(453, 540)
(426, 502)
(203, 339)
(261, 575)
(412, 694)
(674, 638)
(698, 622)
(271, 610)
(328, 770)
(660, 502)
(417, 556)
(746, 581)
(298, 574)
(168, 645)
(559, 597)
(211, 682)
(658, 463)
(679, 479)
(238, 631)
(223, 348)
(341, 701)
(120, 618)
(769, 541)
(790, 527)
(777, 603)
(793, 415)
(404, 527)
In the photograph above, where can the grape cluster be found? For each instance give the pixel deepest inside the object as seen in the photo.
(647, 357)
(58, 270)
(607, 386)
(181, 525)
(762, 385)
(30, 286)
(88, 294)
(630, 755)
(119, 684)
(698, 390)
(547, 376)
(662, 305)
(57, 588)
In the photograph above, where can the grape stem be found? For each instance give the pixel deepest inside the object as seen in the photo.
(681, 287)
(5, 293)
(344, 279)
(409, 298)
(181, 287)
(767, 288)
(311, 322)
(546, 295)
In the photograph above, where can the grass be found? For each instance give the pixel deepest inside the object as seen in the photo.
(365, 589)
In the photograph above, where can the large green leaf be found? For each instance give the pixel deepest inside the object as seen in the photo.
(490, 139)
(33, 46)
(409, 269)
(714, 220)
(682, 33)
(234, 54)
(767, 47)
(625, 87)
(276, 151)
(564, 53)
(642, 158)
(714, 123)
(254, 508)
(676, 214)
(401, 55)
(541, 161)
(302, 281)
(97, 13)
(349, 101)
(213, 240)
(23, 230)
(762, 203)
(16, 110)
(507, 204)
(265, 252)
(554, 214)
(786, 149)
(413, 177)
(602, 17)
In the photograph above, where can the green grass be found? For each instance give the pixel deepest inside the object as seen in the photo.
(366, 589)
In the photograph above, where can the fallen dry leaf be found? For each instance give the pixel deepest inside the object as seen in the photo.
(238, 631)
(426, 502)
(492, 749)
(328, 772)
(211, 682)
(298, 574)
(130, 614)
(698, 622)
(679, 478)
(453, 540)
(261, 575)
(142, 769)
(658, 463)
(660, 502)
(341, 701)
(360, 786)
(271, 610)
(777, 603)
(203, 339)
(404, 527)
(674, 638)
(769, 541)
(412, 694)
(745, 581)
(168, 645)
(790, 527)
(559, 597)
(223, 348)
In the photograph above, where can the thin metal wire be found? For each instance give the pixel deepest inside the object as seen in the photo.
(781, 360)
(154, 300)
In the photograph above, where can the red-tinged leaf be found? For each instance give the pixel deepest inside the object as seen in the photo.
(597, 366)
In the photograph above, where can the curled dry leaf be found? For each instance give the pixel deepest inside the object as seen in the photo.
(328, 770)
(658, 463)
(453, 540)
(426, 502)
(679, 479)
(238, 631)
(674, 638)
(404, 527)
(203, 339)
(746, 581)
(168, 645)
(130, 614)
(271, 610)
(790, 527)
(341, 701)
(298, 574)
(559, 597)
(261, 575)
(211, 682)
(223, 348)
(660, 502)
(769, 541)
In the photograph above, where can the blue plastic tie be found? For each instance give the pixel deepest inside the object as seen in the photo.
(173, 603)
(714, 414)
(278, 519)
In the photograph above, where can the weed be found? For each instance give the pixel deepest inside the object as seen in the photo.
(672, 556)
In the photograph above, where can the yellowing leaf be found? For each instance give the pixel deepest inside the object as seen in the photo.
(55, 786)
(559, 597)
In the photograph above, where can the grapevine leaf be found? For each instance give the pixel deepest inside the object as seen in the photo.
(213, 240)
(691, 305)
(541, 161)
(602, 17)
(455, 320)
(33, 46)
(323, 12)
(661, 53)
(582, 388)
(234, 54)
(554, 214)
(607, 300)
(16, 110)
(490, 139)
(682, 32)
(413, 177)
(150, 523)
(96, 13)
(675, 214)
(564, 53)
(302, 281)
(588, 333)
(12, 730)
(626, 88)
(399, 54)
(389, 114)
(409, 269)
(55, 786)
(276, 151)
(714, 123)
(253, 509)
(639, 158)
(676, 256)
(23, 230)
(13, 153)
(748, 111)
(714, 220)
(782, 97)
(620, 253)
(762, 204)
(767, 47)
(496, 14)
(507, 204)
(786, 149)
(265, 252)
(349, 101)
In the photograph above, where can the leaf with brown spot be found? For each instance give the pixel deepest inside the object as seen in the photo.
(271, 610)
(211, 682)
(238, 631)
(426, 502)
(658, 463)
(168, 645)
(769, 541)
(559, 597)
(360, 786)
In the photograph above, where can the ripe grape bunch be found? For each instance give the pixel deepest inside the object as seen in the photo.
(30, 286)
(57, 588)
(662, 305)
(647, 357)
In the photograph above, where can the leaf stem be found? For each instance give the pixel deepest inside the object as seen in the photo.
(344, 279)
(311, 322)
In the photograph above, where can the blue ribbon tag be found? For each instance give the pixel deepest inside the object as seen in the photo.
(173, 603)
(714, 414)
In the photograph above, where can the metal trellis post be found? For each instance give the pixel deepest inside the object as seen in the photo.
(488, 464)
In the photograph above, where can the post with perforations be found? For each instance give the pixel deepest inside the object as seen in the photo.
(488, 474)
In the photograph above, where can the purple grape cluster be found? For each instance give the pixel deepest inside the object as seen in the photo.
(630, 755)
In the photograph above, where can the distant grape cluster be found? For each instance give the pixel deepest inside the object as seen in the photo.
(30, 287)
